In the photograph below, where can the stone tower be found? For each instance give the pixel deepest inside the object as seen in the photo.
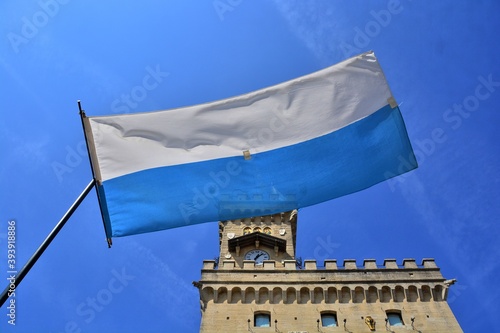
(257, 285)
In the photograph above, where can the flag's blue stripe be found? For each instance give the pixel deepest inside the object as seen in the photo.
(104, 210)
(351, 159)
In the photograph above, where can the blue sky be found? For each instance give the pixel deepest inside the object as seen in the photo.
(440, 59)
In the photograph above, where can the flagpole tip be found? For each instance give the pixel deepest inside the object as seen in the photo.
(79, 106)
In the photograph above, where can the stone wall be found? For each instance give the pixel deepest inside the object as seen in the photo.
(296, 298)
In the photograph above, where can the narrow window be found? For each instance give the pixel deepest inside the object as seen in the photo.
(262, 319)
(328, 319)
(394, 318)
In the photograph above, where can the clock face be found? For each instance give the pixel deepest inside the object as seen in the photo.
(258, 255)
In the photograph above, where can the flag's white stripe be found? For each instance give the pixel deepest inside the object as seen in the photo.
(279, 116)
(345, 161)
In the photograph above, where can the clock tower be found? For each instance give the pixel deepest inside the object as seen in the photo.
(257, 285)
(255, 241)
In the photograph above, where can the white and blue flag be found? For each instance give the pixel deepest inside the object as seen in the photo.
(292, 145)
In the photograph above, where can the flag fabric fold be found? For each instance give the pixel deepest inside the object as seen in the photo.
(292, 145)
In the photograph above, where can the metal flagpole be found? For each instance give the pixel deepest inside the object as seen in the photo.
(22, 273)
(82, 116)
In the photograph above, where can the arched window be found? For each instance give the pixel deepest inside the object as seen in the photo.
(247, 231)
(412, 294)
(257, 229)
(345, 295)
(305, 295)
(371, 295)
(277, 295)
(438, 293)
(385, 294)
(331, 295)
(318, 295)
(249, 295)
(236, 295)
(359, 295)
(221, 295)
(262, 319)
(207, 294)
(267, 230)
(399, 294)
(329, 319)
(291, 295)
(263, 295)
(426, 294)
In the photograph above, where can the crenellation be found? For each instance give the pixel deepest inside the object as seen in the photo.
(228, 264)
(269, 264)
(370, 264)
(390, 264)
(248, 264)
(290, 264)
(310, 264)
(409, 263)
(208, 264)
(350, 264)
(429, 263)
(330, 264)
